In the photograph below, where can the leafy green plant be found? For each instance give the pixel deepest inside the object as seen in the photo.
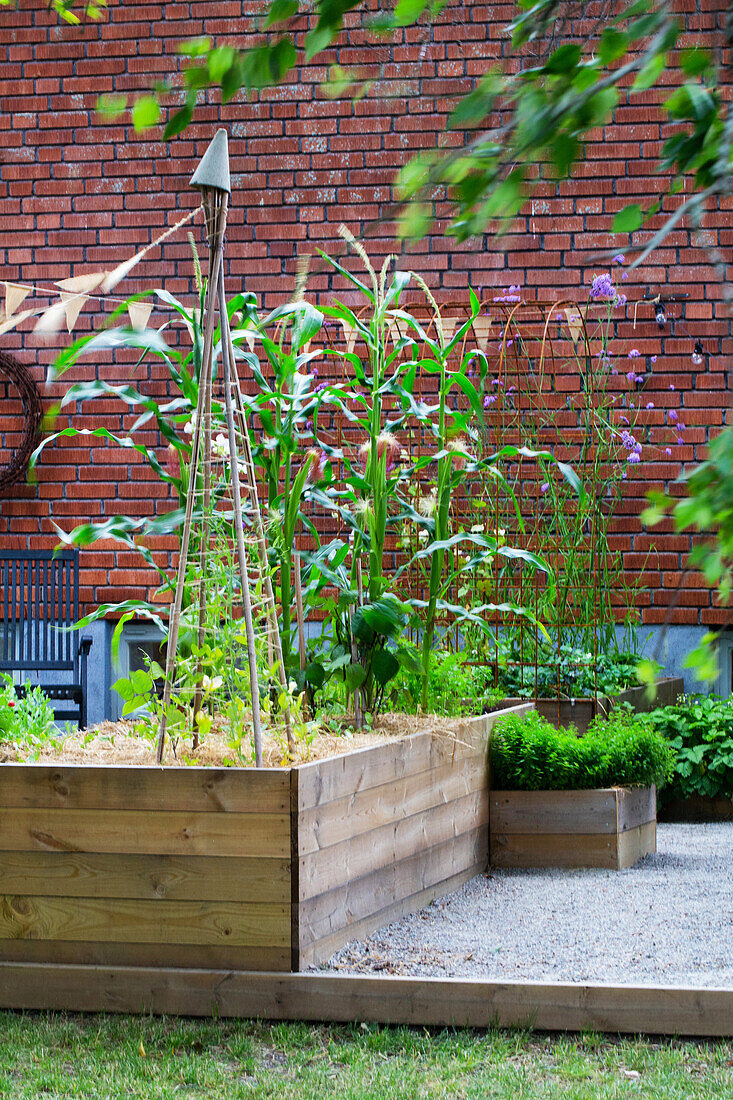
(700, 730)
(570, 671)
(26, 721)
(530, 754)
(455, 687)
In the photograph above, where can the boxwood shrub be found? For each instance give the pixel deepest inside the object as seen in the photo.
(530, 754)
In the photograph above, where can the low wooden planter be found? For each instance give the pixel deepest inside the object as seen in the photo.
(610, 828)
(236, 868)
(581, 712)
(697, 808)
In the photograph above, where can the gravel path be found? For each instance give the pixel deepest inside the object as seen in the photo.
(668, 920)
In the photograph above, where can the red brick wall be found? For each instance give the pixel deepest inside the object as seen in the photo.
(79, 194)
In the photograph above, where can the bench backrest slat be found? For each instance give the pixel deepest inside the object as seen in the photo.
(39, 601)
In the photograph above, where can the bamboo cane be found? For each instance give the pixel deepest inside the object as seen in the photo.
(251, 477)
(239, 528)
(216, 241)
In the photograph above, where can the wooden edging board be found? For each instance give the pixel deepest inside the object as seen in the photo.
(340, 998)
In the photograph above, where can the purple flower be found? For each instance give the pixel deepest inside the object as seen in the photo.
(650, 404)
(489, 401)
(672, 415)
(320, 387)
(602, 289)
(634, 353)
(544, 486)
(625, 275)
(621, 300)
(623, 475)
(619, 259)
(634, 458)
(667, 451)
(654, 358)
(639, 378)
(671, 387)
(680, 426)
(624, 419)
(314, 372)
(680, 440)
(496, 381)
(512, 389)
(631, 375)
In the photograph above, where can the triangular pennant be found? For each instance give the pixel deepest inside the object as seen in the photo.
(482, 331)
(350, 334)
(51, 320)
(575, 325)
(399, 328)
(73, 305)
(14, 295)
(123, 269)
(139, 312)
(84, 284)
(6, 323)
(450, 325)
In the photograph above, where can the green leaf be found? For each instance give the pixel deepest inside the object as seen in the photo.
(695, 61)
(280, 10)
(415, 221)
(629, 219)
(141, 681)
(145, 112)
(179, 121)
(385, 667)
(612, 45)
(650, 73)
(563, 59)
(354, 677)
(315, 674)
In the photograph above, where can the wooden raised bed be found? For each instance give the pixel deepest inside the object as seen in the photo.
(236, 868)
(610, 828)
(581, 712)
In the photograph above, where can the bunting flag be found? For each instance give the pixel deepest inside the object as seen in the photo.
(14, 295)
(139, 313)
(575, 325)
(399, 328)
(350, 334)
(482, 331)
(83, 284)
(73, 305)
(7, 323)
(450, 324)
(51, 320)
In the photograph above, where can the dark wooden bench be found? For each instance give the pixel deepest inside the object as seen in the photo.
(40, 604)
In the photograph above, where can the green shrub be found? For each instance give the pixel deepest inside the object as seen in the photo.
(530, 754)
(700, 729)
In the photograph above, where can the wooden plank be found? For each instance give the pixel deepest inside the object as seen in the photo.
(360, 855)
(325, 781)
(341, 998)
(140, 921)
(119, 787)
(535, 812)
(363, 811)
(197, 956)
(137, 832)
(636, 807)
(369, 897)
(635, 843)
(553, 850)
(321, 951)
(193, 878)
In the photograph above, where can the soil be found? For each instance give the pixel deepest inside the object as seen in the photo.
(121, 743)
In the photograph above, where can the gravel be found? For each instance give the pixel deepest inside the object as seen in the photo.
(668, 921)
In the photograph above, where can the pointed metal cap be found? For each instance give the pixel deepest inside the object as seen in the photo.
(213, 169)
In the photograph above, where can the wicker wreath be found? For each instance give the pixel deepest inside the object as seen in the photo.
(20, 378)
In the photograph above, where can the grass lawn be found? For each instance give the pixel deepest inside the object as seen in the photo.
(61, 1055)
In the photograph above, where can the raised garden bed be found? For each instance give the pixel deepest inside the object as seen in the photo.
(610, 828)
(236, 868)
(581, 712)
